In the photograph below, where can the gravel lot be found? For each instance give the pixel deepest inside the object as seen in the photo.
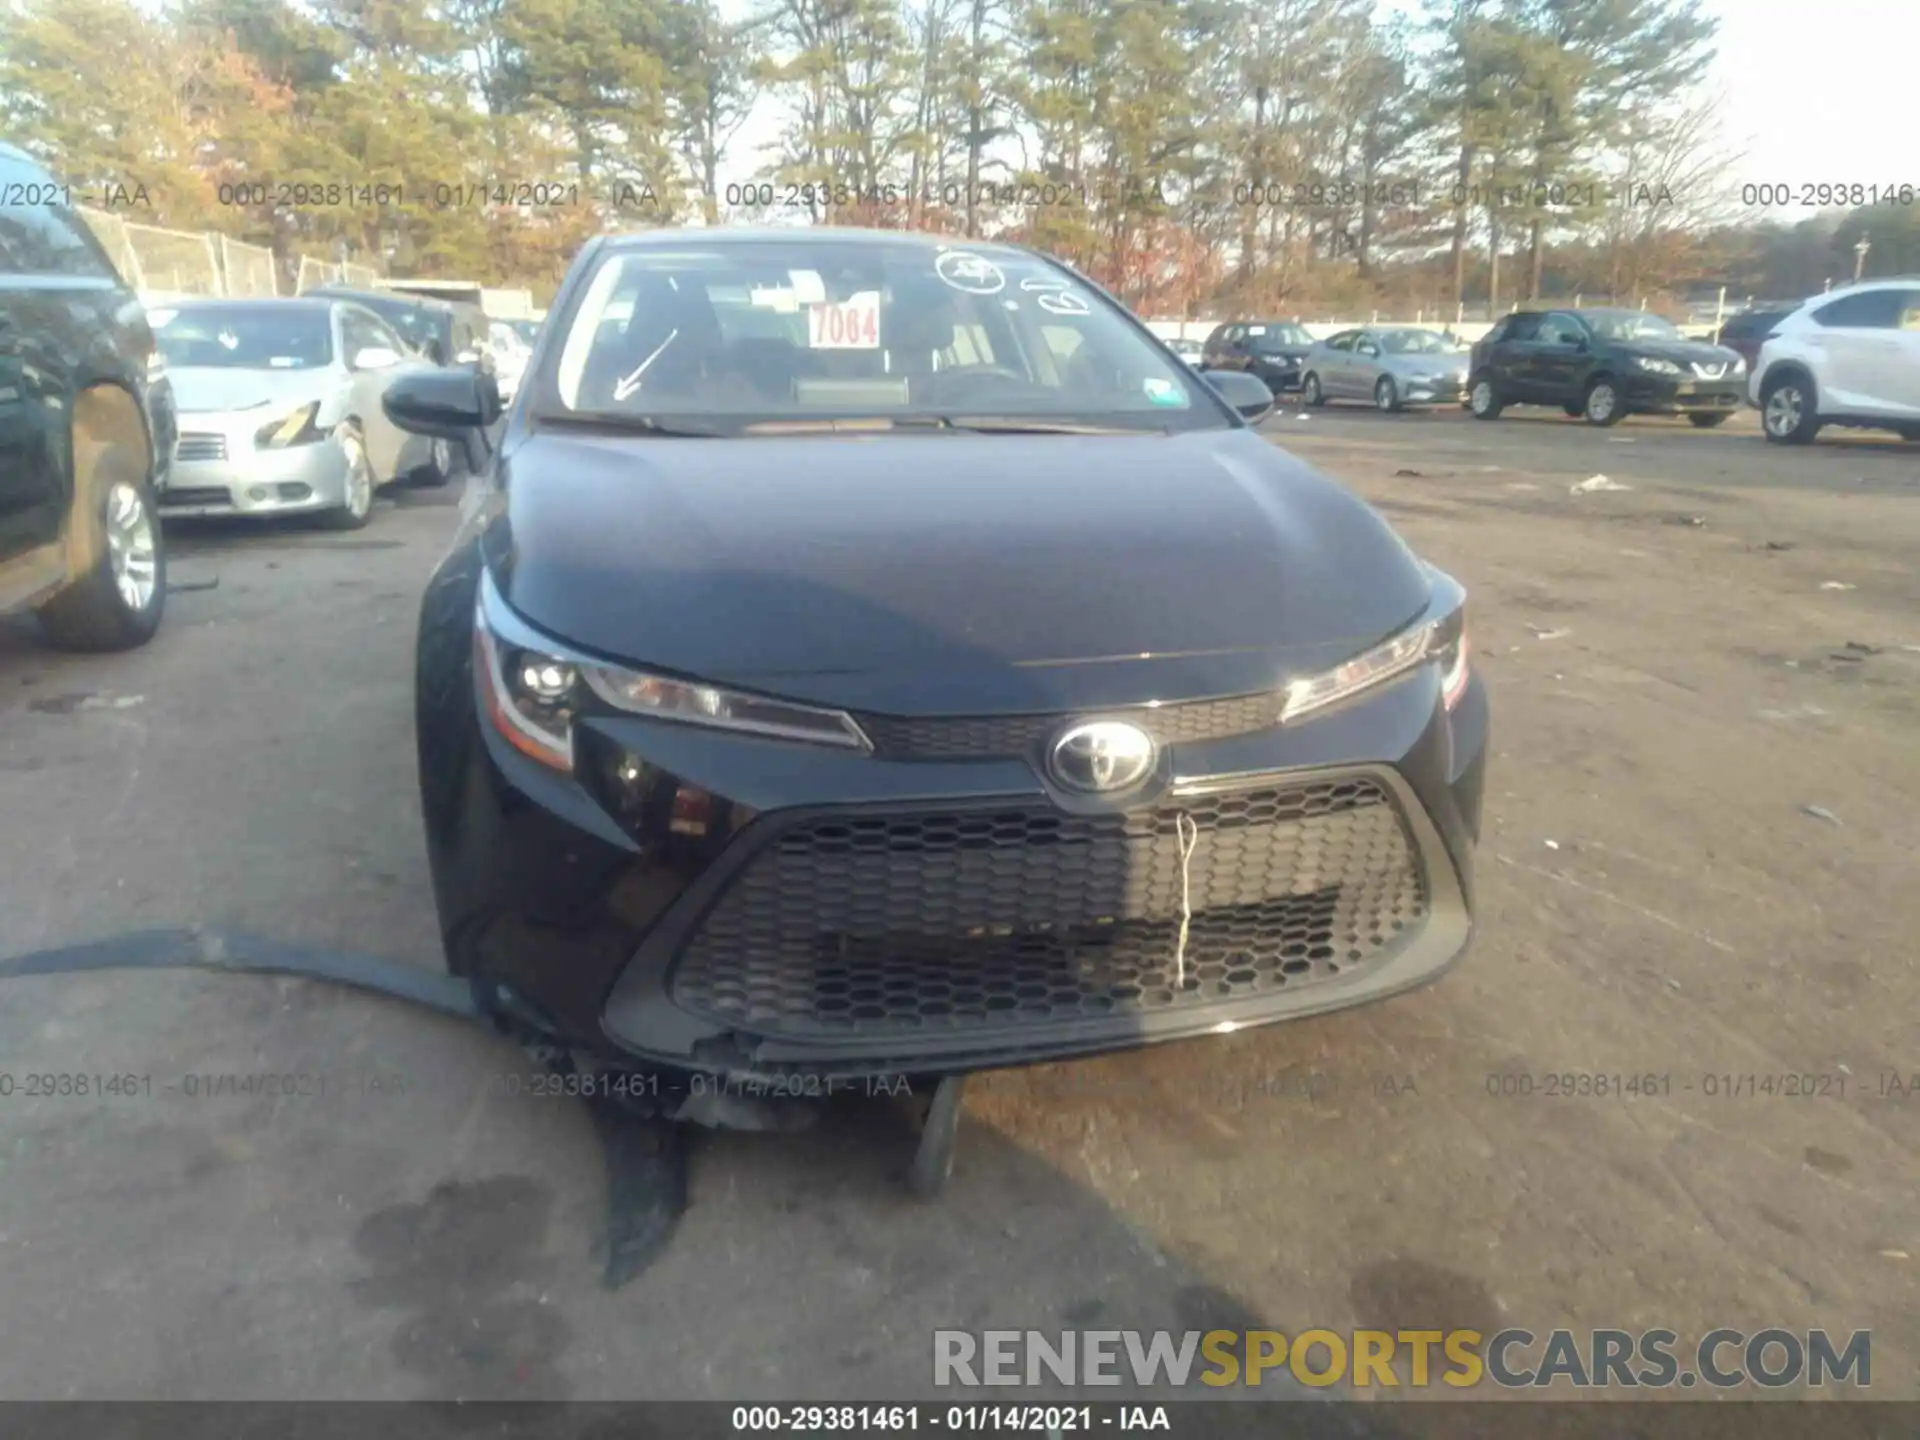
(1698, 864)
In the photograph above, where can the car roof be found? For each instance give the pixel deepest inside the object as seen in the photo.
(750, 235)
(20, 157)
(393, 297)
(231, 302)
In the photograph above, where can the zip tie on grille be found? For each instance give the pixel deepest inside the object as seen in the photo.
(1189, 834)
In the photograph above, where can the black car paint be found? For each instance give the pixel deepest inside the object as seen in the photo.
(65, 330)
(924, 574)
(1278, 366)
(1528, 371)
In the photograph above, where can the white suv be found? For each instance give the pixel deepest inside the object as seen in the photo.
(1851, 357)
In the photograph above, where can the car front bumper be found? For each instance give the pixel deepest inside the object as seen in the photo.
(696, 901)
(1663, 395)
(1443, 390)
(217, 470)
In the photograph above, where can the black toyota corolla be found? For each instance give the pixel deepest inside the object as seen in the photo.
(874, 653)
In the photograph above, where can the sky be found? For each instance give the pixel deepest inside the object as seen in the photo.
(1810, 93)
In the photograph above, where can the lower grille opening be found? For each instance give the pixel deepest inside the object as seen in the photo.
(990, 920)
(1094, 969)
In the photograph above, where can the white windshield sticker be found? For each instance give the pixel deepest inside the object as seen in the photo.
(777, 298)
(808, 287)
(974, 274)
(853, 324)
(1063, 302)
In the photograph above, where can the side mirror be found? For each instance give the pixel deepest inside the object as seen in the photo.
(375, 357)
(447, 404)
(1245, 393)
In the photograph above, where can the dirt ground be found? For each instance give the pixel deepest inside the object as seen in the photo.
(1698, 864)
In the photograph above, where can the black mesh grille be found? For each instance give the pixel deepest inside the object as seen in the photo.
(998, 736)
(995, 918)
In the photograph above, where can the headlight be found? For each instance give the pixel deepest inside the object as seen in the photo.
(1655, 367)
(1443, 640)
(535, 691)
(294, 429)
(1739, 365)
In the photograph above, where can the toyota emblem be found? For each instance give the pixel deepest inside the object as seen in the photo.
(1101, 756)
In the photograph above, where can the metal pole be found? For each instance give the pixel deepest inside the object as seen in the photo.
(1720, 310)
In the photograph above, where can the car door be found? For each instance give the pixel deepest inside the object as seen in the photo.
(1561, 351)
(1213, 352)
(1904, 383)
(1512, 360)
(47, 318)
(1862, 348)
(1364, 365)
(361, 332)
(1329, 364)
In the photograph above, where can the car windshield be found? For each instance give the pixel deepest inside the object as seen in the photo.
(1629, 325)
(245, 337)
(1270, 339)
(1415, 342)
(821, 329)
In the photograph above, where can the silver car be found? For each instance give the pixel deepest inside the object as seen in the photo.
(280, 409)
(1391, 367)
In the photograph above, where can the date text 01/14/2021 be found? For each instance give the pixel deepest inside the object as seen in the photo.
(1718, 1085)
(958, 1419)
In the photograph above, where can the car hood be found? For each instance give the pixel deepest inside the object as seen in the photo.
(204, 389)
(950, 573)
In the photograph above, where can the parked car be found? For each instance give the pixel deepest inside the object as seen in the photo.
(280, 409)
(1270, 350)
(86, 426)
(1849, 358)
(1603, 364)
(1191, 351)
(963, 684)
(1390, 367)
(1744, 333)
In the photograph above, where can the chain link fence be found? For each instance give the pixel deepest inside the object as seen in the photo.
(248, 269)
(161, 262)
(175, 263)
(321, 272)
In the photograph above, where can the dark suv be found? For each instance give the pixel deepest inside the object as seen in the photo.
(1603, 364)
(1270, 350)
(87, 425)
(1746, 332)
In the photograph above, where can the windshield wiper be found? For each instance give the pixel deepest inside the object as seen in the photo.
(627, 424)
(1039, 425)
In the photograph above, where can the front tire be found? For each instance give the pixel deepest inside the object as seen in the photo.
(1707, 422)
(1601, 405)
(1310, 391)
(117, 604)
(1483, 400)
(1788, 413)
(439, 467)
(1386, 395)
(357, 509)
